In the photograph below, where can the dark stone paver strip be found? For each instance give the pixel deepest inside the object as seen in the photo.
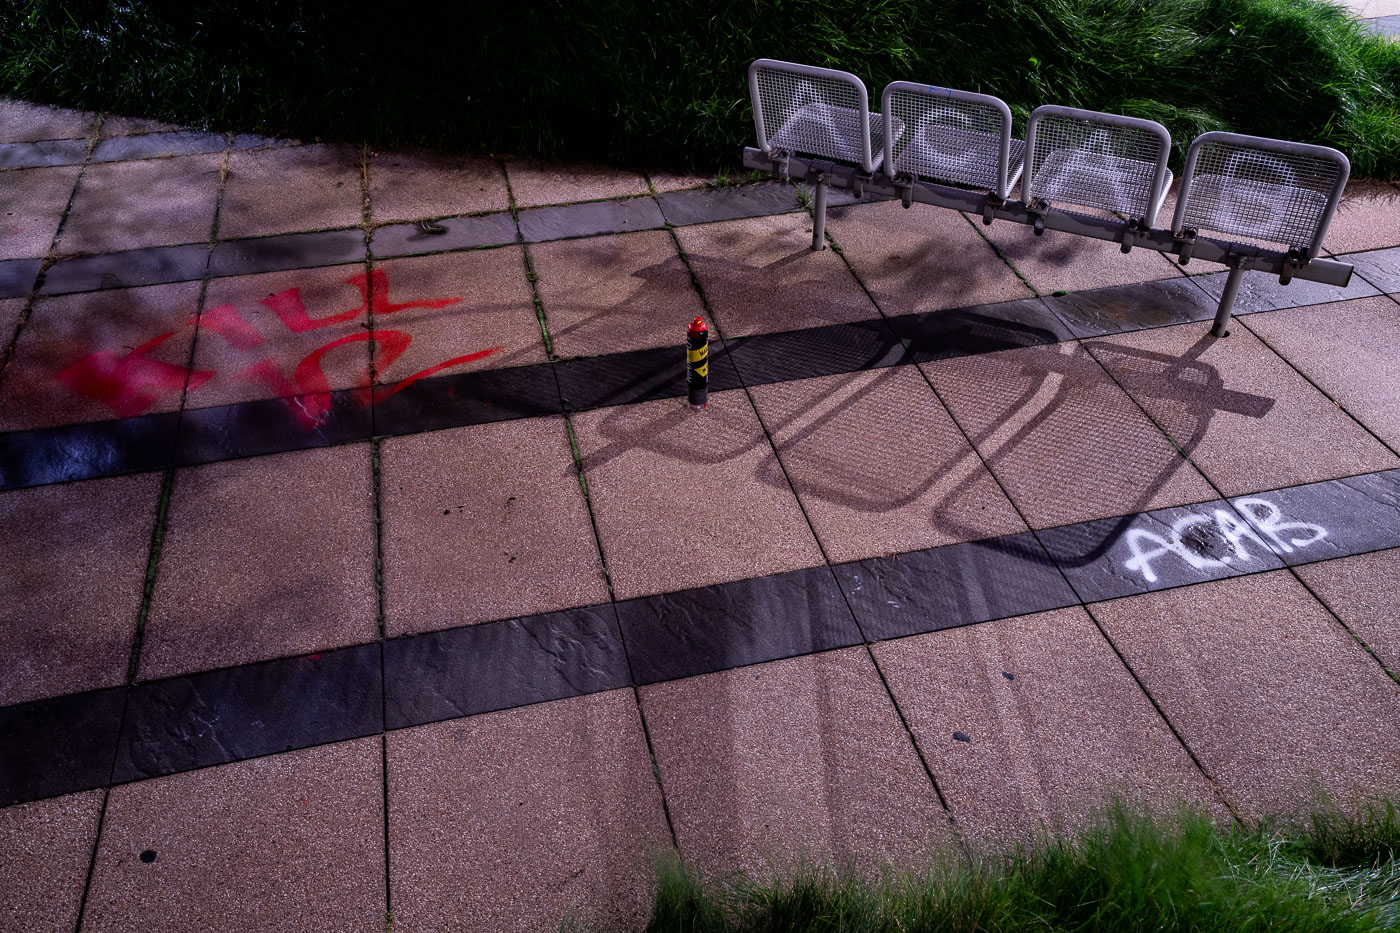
(798, 760)
(1056, 727)
(1262, 292)
(954, 332)
(638, 376)
(309, 822)
(706, 205)
(505, 532)
(71, 591)
(152, 266)
(48, 847)
(1242, 415)
(227, 593)
(1119, 308)
(288, 251)
(1272, 696)
(569, 783)
(879, 465)
(457, 233)
(589, 219)
(713, 628)
(85, 451)
(816, 351)
(46, 152)
(476, 397)
(1332, 519)
(269, 426)
(17, 276)
(31, 204)
(1380, 268)
(922, 259)
(154, 145)
(59, 745)
(132, 205)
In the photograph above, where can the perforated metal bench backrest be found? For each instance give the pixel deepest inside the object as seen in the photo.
(950, 136)
(814, 111)
(1267, 190)
(1094, 159)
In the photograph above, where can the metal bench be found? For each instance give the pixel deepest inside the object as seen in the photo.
(1246, 202)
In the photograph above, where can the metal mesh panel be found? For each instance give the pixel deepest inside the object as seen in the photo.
(1094, 164)
(1278, 197)
(950, 140)
(816, 115)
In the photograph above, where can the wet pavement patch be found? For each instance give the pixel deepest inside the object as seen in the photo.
(1260, 291)
(1101, 311)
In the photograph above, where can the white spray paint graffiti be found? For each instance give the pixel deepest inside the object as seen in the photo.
(1191, 536)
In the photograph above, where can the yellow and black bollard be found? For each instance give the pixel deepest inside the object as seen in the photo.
(697, 363)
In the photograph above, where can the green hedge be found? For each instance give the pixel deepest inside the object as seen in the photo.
(661, 82)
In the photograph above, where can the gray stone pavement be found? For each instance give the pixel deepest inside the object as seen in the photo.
(364, 560)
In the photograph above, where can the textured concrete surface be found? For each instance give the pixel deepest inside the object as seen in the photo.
(922, 259)
(25, 122)
(803, 760)
(667, 180)
(32, 202)
(606, 294)
(71, 592)
(149, 202)
(1264, 686)
(295, 188)
(1062, 261)
(1241, 413)
(1056, 729)
(1366, 217)
(99, 355)
(515, 820)
(760, 275)
(1064, 440)
(879, 465)
(263, 558)
(472, 310)
(1350, 349)
(1361, 591)
(48, 847)
(484, 522)
(289, 841)
(696, 496)
(533, 182)
(414, 185)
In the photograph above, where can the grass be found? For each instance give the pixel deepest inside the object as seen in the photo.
(1333, 872)
(645, 83)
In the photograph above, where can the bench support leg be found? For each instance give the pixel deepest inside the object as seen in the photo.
(819, 220)
(1227, 301)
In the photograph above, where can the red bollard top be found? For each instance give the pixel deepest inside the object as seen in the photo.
(697, 326)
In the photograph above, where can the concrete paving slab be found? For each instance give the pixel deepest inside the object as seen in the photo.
(288, 251)
(1366, 217)
(17, 276)
(1120, 308)
(1061, 261)
(157, 145)
(84, 451)
(816, 351)
(1385, 25)
(879, 465)
(1056, 730)
(502, 665)
(48, 152)
(589, 219)
(713, 628)
(450, 233)
(414, 185)
(1066, 443)
(799, 761)
(227, 592)
(760, 275)
(668, 180)
(457, 311)
(48, 847)
(1268, 691)
(1242, 415)
(153, 202)
(294, 840)
(709, 205)
(505, 532)
(24, 122)
(10, 312)
(611, 293)
(687, 496)
(534, 182)
(953, 332)
(922, 259)
(1380, 268)
(236, 713)
(32, 202)
(152, 266)
(283, 334)
(1361, 592)
(923, 591)
(71, 592)
(291, 189)
(100, 355)
(516, 819)
(1351, 350)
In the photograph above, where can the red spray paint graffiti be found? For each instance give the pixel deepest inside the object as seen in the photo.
(132, 383)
